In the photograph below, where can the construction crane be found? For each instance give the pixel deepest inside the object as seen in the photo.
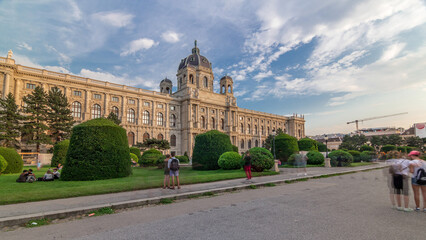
(372, 118)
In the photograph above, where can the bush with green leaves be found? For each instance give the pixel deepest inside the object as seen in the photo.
(292, 159)
(285, 145)
(208, 148)
(133, 157)
(13, 159)
(321, 147)
(355, 154)
(3, 164)
(234, 148)
(307, 144)
(261, 159)
(183, 159)
(230, 160)
(60, 153)
(367, 156)
(345, 157)
(388, 148)
(149, 157)
(136, 151)
(160, 161)
(315, 158)
(366, 148)
(98, 149)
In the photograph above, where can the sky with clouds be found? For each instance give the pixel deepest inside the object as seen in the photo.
(333, 61)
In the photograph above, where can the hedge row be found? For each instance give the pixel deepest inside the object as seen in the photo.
(60, 153)
(13, 159)
(208, 148)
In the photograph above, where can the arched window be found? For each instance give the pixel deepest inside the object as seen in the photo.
(229, 89)
(159, 119)
(248, 129)
(115, 111)
(300, 133)
(131, 138)
(255, 129)
(145, 117)
(145, 136)
(223, 89)
(173, 140)
(256, 143)
(263, 143)
(267, 131)
(191, 79)
(76, 109)
(213, 123)
(222, 124)
(96, 111)
(242, 128)
(131, 116)
(261, 130)
(203, 122)
(172, 120)
(249, 144)
(160, 136)
(206, 82)
(242, 144)
(168, 90)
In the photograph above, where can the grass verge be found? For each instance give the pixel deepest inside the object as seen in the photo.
(166, 201)
(102, 211)
(37, 223)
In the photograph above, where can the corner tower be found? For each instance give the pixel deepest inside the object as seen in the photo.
(166, 86)
(195, 71)
(226, 85)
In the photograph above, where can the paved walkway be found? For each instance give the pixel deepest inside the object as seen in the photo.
(37, 209)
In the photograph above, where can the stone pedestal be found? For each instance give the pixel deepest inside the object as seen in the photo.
(327, 162)
(276, 169)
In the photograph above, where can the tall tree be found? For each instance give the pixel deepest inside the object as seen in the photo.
(353, 143)
(35, 128)
(9, 122)
(393, 139)
(376, 142)
(59, 119)
(113, 117)
(153, 143)
(414, 142)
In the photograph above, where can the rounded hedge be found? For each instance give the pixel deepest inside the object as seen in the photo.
(292, 159)
(321, 147)
(134, 157)
(261, 159)
(315, 158)
(60, 153)
(366, 148)
(285, 145)
(208, 148)
(183, 159)
(356, 155)
(160, 161)
(3, 164)
(307, 144)
(98, 149)
(13, 159)
(346, 158)
(136, 151)
(388, 148)
(234, 148)
(367, 156)
(149, 157)
(229, 160)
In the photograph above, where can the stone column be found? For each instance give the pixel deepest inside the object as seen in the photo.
(86, 104)
(106, 103)
(6, 84)
(17, 90)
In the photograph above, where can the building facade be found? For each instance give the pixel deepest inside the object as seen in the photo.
(176, 116)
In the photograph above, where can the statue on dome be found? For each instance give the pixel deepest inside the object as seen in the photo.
(10, 54)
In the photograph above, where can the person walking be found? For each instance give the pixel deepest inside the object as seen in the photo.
(247, 165)
(166, 172)
(173, 165)
(400, 176)
(418, 180)
(300, 162)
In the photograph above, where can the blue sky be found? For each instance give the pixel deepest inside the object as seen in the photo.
(333, 61)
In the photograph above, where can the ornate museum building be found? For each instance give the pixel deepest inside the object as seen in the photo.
(176, 116)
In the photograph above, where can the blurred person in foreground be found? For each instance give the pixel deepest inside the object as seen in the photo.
(418, 180)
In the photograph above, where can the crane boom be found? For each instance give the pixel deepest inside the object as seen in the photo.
(372, 118)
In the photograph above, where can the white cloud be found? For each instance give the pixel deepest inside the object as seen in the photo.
(392, 51)
(240, 93)
(24, 45)
(171, 37)
(76, 13)
(262, 75)
(115, 19)
(138, 45)
(63, 59)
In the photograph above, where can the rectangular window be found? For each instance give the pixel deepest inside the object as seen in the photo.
(31, 86)
(97, 96)
(131, 101)
(172, 108)
(146, 104)
(77, 93)
(160, 106)
(115, 99)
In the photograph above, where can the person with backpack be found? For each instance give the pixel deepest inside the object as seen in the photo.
(400, 176)
(166, 182)
(173, 166)
(418, 181)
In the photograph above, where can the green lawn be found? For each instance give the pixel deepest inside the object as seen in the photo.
(142, 178)
(357, 164)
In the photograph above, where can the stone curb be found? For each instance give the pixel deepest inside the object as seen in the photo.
(60, 214)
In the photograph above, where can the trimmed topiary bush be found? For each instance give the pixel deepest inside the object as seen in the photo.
(315, 158)
(149, 157)
(3, 164)
(307, 144)
(98, 150)
(60, 153)
(160, 161)
(13, 159)
(234, 148)
(292, 159)
(367, 156)
(321, 147)
(136, 151)
(388, 148)
(229, 160)
(261, 159)
(183, 159)
(285, 145)
(208, 148)
(366, 148)
(355, 154)
(346, 158)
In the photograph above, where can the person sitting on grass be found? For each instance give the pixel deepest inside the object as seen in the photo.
(56, 174)
(59, 167)
(23, 176)
(31, 176)
(48, 176)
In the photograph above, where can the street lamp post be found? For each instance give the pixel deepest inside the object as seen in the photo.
(326, 148)
(273, 134)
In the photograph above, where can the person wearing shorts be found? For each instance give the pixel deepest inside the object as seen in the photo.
(166, 182)
(400, 183)
(174, 173)
(415, 166)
